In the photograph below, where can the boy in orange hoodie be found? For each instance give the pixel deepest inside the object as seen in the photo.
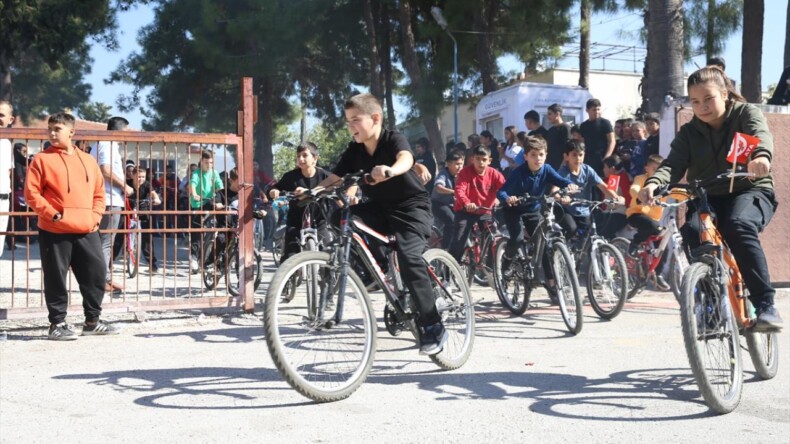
(66, 190)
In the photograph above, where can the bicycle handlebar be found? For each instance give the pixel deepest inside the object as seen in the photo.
(695, 186)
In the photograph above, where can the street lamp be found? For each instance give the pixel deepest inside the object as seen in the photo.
(436, 12)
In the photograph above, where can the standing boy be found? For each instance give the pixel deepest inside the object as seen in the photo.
(532, 120)
(203, 187)
(108, 156)
(475, 190)
(6, 168)
(69, 206)
(143, 198)
(398, 204)
(557, 136)
(598, 136)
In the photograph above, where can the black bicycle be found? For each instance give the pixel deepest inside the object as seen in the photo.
(526, 272)
(323, 339)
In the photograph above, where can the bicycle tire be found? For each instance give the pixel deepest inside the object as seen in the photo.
(456, 309)
(468, 266)
(708, 323)
(233, 268)
(622, 244)
(296, 338)
(278, 246)
(513, 294)
(608, 300)
(133, 261)
(567, 287)
(210, 274)
(763, 350)
(677, 266)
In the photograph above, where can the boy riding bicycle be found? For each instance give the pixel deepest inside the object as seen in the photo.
(397, 204)
(475, 190)
(534, 178)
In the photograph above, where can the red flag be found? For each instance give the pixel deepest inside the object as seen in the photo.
(742, 146)
(613, 182)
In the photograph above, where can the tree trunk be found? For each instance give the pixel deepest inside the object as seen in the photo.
(484, 24)
(264, 132)
(411, 63)
(752, 50)
(386, 62)
(643, 83)
(303, 119)
(584, 44)
(787, 38)
(710, 32)
(374, 64)
(665, 65)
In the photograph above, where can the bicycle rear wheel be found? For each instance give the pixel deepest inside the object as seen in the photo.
(234, 268)
(711, 339)
(514, 292)
(607, 293)
(321, 359)
(454, 303)
(567, 285)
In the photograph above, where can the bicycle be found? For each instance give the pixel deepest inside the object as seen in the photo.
(604, 265)
(643, 269)
(715, 309)
(477, 261)
(323, 341)
(132, 258)
(278, 237)
(548, 238)
(227, 260)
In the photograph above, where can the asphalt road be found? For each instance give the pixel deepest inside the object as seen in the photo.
(211, 379)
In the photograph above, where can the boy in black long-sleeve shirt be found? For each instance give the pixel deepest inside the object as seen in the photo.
(398, 204)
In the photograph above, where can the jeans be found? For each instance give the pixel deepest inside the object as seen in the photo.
(740, 218)
(462, 228)
(108, 222)
(444, 217)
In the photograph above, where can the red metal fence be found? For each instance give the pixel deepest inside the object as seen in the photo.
(172, 286)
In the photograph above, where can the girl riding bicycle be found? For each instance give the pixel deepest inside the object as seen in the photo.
(306, 176)
(700, 151)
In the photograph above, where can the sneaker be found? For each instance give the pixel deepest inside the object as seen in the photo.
(100, 328)
(110, 287)
(61, 332)
(507, 269)
(553, 296)
(432, 339)
(661, 284)
(768, 319)
(194, 268)
(154, 268)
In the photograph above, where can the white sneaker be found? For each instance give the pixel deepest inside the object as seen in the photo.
(193, 266)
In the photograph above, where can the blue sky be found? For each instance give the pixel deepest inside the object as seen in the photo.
(612, 29)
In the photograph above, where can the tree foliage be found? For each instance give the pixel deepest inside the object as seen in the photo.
(52, 32)
(95, 111)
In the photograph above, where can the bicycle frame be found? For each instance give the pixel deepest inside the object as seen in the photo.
(544, 233)
(592, 241)
(482, 241)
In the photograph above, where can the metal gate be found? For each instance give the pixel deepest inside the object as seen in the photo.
(172, 286)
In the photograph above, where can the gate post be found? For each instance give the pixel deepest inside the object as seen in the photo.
(246, 279)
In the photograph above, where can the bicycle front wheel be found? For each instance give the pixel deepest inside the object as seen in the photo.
(454, 303)
(567, 285)
(322, 357)
(513, 290)
(608, 288)
(211, 274)
(677, 266)
(711, 338)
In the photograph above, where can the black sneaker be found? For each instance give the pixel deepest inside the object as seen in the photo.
(507, 268)
(432, 339)
(100, 328)
(661, 284)
(768, 319)
(61, 332)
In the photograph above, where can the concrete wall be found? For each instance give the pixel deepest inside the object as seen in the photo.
(776, 237)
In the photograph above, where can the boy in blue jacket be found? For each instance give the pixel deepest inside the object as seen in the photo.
(534, 178)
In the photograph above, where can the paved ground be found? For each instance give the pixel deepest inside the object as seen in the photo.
(210, 379)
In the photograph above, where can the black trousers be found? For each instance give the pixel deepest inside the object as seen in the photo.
(146, 246)
(608, 223)
(444, 217)
(83, 253)
(740, 218)
(462, 227)
(645, 227)
(410, 223)
(292, 234)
